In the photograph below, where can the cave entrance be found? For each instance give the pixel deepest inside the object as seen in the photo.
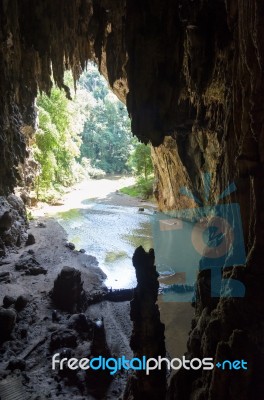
(93, 175)
(86, 157)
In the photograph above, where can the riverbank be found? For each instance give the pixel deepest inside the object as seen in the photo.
(105, 190)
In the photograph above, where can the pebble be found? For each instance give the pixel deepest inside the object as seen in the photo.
(70, 245)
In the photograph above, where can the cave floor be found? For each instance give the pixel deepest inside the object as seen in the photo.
(31, 336)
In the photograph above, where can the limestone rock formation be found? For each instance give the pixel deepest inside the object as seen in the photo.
(13, 223)
(148, 332)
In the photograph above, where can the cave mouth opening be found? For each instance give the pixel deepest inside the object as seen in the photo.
(82, 132)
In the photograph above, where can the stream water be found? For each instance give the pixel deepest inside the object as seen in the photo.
(110, 233)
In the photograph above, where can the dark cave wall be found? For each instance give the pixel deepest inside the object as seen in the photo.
(225, 137)
(30, 40)
(188, 70)
(40, 39)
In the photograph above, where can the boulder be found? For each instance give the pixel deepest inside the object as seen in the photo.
(8, 301)
(30, 240)
(41, 225)
(63, 338)
(29, 265)
(13, 223)
(5, 221)
(68, 293)
(7, 323)
(80, 323)
(21, 303)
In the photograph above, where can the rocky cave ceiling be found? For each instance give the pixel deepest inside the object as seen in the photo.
(186, 69)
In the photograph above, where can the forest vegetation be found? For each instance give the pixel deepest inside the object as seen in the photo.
(86, 137)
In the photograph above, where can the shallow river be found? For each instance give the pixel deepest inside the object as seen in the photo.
(110, 233)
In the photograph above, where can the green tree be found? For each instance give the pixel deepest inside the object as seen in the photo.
(140, 160)
(58, 140)
(141, 163)
(107, 139)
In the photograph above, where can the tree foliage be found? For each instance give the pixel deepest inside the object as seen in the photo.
(107, 139)
(140, 160)
(57, 140)
(141, 164)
